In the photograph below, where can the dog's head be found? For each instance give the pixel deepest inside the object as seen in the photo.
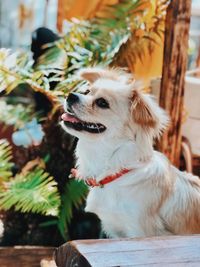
(112, 106)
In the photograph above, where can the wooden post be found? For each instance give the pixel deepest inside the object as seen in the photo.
(173, 75)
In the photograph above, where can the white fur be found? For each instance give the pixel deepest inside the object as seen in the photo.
(154, 198)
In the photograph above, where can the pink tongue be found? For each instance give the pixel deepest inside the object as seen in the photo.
(67, 117)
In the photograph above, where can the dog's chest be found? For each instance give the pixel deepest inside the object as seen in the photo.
(124, 211)
(117, 207)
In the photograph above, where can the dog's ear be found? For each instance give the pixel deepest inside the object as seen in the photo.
(141, 112)
(149, 122)
(91, 74)
(147, 114)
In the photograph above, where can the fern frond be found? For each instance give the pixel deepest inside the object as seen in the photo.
(73, 196)
(147, 33)
(17, 68)
(5, 160)
(33, 191)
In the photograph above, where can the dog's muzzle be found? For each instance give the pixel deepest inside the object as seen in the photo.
(71, 120)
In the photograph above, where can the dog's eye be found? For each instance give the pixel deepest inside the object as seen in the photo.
(102, 103)
(86, 92)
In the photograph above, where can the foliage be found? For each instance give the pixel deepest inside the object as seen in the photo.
(34, 191)
(16, 69)
(31, 190)
(147, 33)
(86, 43)
(74, 194)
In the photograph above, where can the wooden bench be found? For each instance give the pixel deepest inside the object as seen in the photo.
(168, 251)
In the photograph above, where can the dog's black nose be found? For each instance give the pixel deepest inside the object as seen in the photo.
(72, 98)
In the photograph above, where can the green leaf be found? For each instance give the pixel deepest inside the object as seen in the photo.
(73, 196)
(48, 223)
(34, 191)
(5, 160)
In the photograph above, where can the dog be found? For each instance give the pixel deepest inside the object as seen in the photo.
(134, 190)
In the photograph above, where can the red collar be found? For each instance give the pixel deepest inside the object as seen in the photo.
(108, 179)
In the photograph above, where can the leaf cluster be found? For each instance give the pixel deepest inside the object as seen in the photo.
(35, 190)
(87, 43)
(31, 190)
(74, 194)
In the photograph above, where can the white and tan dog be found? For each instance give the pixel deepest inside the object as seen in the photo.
(135, 191)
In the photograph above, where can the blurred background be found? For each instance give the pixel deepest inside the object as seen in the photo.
(44, 43)
(19, 18)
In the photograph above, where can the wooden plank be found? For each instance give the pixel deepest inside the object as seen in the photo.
(173, 75)
(24, 256)
(157, 251)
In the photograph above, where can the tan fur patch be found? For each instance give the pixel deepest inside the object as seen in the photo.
(165, 186)
(140, 111)
(191, 216)
(184, 216)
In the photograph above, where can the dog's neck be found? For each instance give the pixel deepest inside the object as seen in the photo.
(95, 159)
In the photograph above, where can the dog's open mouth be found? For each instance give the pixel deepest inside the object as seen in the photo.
(70, 120)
